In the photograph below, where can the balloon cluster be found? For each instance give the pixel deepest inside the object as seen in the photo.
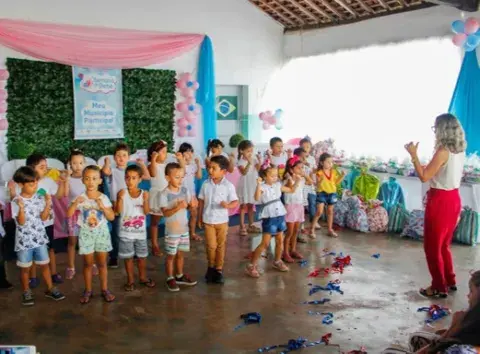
(268, 118)
(4, 75)
(467, 34)
(186, 124)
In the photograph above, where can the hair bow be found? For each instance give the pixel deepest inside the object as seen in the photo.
(293, 160)
(266, 164)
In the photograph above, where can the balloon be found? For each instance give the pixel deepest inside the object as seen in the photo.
(197, 109)
(3, 84)
(279, 126)
(468, 48)
(3, 124)
(192, 132)
(272, 120)
(182, 123)
(3, 95)
(266, 126)
(471, 25)
(182, 132)
(473, 40)
(4, 75)
(458, 26)
(262, 116)
(190, 101)
(459, 39)
(188, 92)
(269, 113)
(189, 116)
(181, 85)
(191, 119)
(182, 107)
(191, 107)
(186, 77)
(3, 108)
(196, 85)
(279, 113)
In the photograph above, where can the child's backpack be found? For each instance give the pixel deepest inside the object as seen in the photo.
(377, 216)
(397, 218)
(340, 212)
(467, 229)
(356, 216)
(367, 186)
(414, 227)
(391, 193)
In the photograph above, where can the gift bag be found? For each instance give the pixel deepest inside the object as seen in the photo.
(391, 193)
(377, 217)
(367, 186)
(414, 227)
(347, 182)
(397, 218)
(340, 213)
(467, 229)
(356, 216)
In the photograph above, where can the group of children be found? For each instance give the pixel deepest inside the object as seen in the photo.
(281, 183)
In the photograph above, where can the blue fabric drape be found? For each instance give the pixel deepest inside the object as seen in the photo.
(465, 104)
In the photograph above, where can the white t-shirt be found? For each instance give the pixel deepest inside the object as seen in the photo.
(213, 194)
(91, 216)
(297, 196)
(272, 206)
(309, 189)
(159, 182)
(76, 188)
(189, 180)
(279, 161)
(117, 182)
(177, 224)
(32, 234)
(133, 223)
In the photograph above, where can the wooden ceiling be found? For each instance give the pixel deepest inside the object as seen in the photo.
(296, 15)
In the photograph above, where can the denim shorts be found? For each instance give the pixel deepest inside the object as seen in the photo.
(39, 255)
(274, 225)
(128, 248)
(327, 198)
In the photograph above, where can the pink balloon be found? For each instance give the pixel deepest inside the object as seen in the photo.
(192, 132)
(182, 132)
(4, 75)
(192, 119)
(471, 25)
(182, 107)
(3, 84)
(3, 95)
(181, 85)
(266, 126)
(197, 110)
(3, 108)
(186, 77)
(182, 123)
(269, 113)
(262, 116)
(3, 124)
(459, 39)
(196, 85)
(191, 100)
(190, 116)
(188, 92)
(272, 120)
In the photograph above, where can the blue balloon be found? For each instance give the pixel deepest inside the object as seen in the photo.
(278, 112)
(458, 26)
(473, 40)
(468, 48)
(191, 108)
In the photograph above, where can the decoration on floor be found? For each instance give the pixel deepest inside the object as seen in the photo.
(4, 75)
(435, 312)
(331, 287)
(296, 344)
(303, 263)
(328, 319)
(186, 125)
(272, 119)
(249, 318)
(341, 262)
(362, 350)
(467, 34)
(376, 255)
(317, 302)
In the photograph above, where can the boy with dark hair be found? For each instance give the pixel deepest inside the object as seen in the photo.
(216, 197)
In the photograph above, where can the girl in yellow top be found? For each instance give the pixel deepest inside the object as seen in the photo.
(327, 181)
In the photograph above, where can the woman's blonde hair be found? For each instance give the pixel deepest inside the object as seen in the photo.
(449, 134)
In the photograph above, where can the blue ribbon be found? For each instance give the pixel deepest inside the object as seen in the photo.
(249, 318)
(436, 312)
(376, 255)
(317, 302)
(293, 344)
(329, 254)
(302, 263)
(327, 319)
(331, 286)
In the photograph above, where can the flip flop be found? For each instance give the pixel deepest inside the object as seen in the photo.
(108, 296)
(86, 296)
(129, 287)
(149, 283)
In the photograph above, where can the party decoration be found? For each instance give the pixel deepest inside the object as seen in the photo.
(376, 255)
(272, 119)
(331, 287)
(188, 107)
(4, 75)
(296, 344)
(471, 25)
(3, 107)
(317, 302)
(3, 124)
(467, 34)
(249, 318)
(3, 95)
(303, 263)
(435, 312)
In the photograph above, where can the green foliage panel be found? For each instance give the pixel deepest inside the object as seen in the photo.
(41, 114)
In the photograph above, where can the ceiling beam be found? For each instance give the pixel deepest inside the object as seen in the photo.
(331, 8)
(279, 14)
(304, 10)
(318, 9)
(365, 6)
(346, 7)
(287, 10)
(384, 4)
(404, 3)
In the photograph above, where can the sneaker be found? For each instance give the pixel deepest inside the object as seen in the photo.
(69, 273)
(28, 299)
(296, 255)
(57, 279)
(452, 288)
(33, 283)
(279, 265)
(54, 294)
(218, 277)
(95, 270)
(113, 263)
(287, 258)
(185, 280)
(209, 275)
(252, 271)
(5, 284)
(172, 285)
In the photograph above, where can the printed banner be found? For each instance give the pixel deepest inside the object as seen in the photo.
(98, 103)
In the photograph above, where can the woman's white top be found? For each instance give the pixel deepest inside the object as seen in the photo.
(450, 174)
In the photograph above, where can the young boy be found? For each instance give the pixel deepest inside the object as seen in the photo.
(216, 197)
(174, 201)
(132, 207)
(278, 157)
(46, 185)
(116, 181)
(4, 283)
(30, 209)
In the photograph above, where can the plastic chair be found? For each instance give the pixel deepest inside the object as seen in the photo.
(8, 169)
(54, 163)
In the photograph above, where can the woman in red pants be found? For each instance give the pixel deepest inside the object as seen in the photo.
(444, 172)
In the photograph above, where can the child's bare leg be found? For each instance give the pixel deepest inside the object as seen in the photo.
(130, 271)
(53, 261)
(243, 230)
(287, 241)
(88, 260)
(316, 218)
(142, 269)
(293, 239)
(154, 220)
(260, 248)
(169, 266)
(72, 242)
(179, 261)
(192, 225)
(331, 232)
(101, 258)
(33, 271)
(251, 216)
(47, 276)
(24, 277)
(278, 246)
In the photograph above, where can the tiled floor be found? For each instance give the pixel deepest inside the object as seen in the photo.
(379, 306)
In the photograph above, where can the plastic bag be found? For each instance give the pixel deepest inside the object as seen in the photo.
(377, 217)
(347, 182)
(414, 227)
(397, 218)
(356, 216)
(467, 229)
(391, 193)
(367, 186)
(340, 212)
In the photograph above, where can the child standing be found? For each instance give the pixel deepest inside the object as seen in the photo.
(277, 156)
(310, 167)
(273, 216)
(248, 168)
(29, 209)
(216, 197)
(174, 201)
(94, 238)
(193, 171)
(215, 148)
(116, 181)
(4, 283)
(132, 207)
(327, 181)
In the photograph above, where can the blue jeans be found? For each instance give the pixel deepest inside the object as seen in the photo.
(115, 238)
(39, 255)
(312, 205)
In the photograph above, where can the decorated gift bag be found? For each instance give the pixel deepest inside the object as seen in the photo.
(397, 218)
(367, 186)
(340, 213)
(356, 216)
(391, 193)
(467, 229)
(377, 216)
(347, 182)
(414, 227)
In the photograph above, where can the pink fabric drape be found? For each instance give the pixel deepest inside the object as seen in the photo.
(95, 47)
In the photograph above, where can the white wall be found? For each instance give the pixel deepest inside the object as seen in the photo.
(248, 44)
(431, 22)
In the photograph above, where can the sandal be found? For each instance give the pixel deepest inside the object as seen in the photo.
(296, 255)
(108, 296)
(287, 258)
(312, 236)
(129, 287)
(149, 283)
(252, 229)
(195, 237)
(332, 233)
(279, 265)
(243, 231)
(431, 293)
(69, 273)
(86, 296)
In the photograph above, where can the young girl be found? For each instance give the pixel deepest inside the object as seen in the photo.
(277, 156)
(158, 157)
(193, 171)
(309, 165)
(215, 148)
(93, 238)
(327, 181)
(273, 216)
(73, 189)
(294, 206)
(248, 167)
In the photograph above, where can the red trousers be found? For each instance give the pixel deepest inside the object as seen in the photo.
(441, 217)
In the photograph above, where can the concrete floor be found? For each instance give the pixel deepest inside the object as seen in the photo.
(379, 306)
